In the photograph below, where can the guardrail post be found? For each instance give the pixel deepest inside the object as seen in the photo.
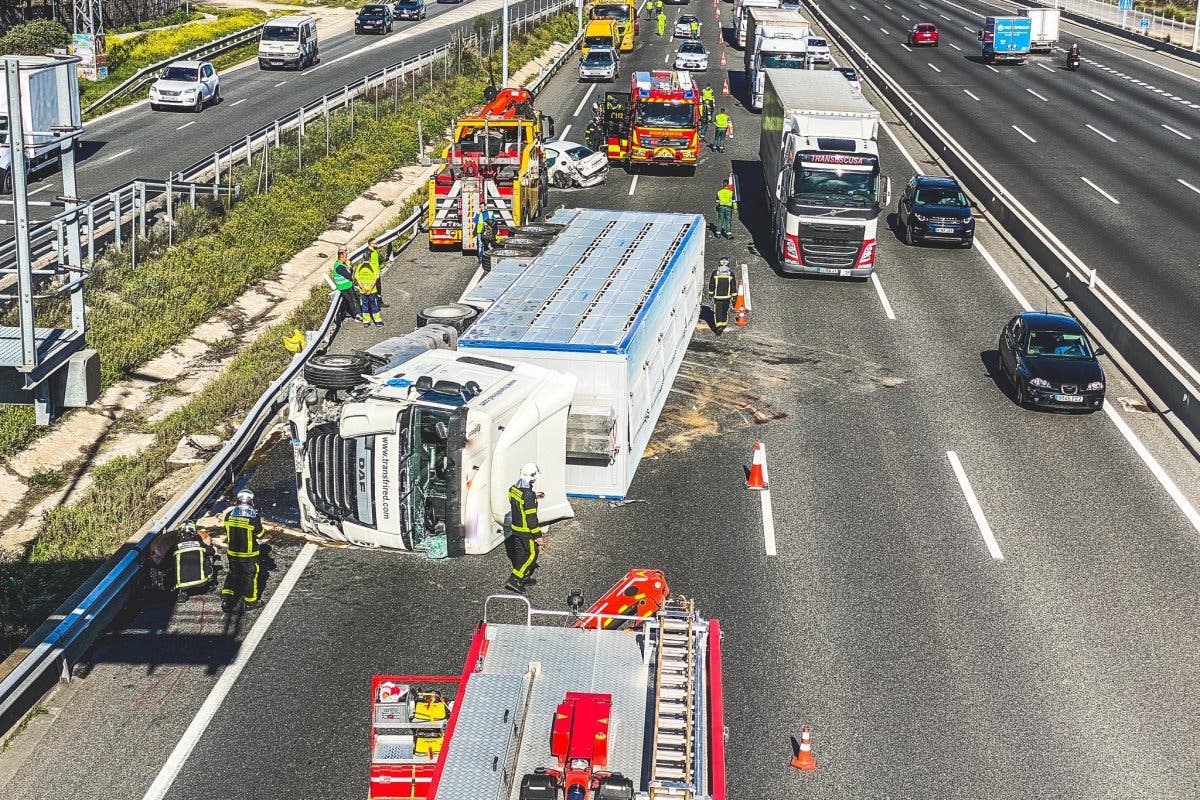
(249, 151)
(276, 134)
(216, 173)
(58, 241)
(142, 207)
(115, 197)
(170, 210)
(193, 195)
(91, 225)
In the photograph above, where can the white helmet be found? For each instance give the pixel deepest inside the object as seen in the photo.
(723, 265)
(245, 497)
(530, 472)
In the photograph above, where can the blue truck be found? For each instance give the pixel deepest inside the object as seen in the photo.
(1006, 39)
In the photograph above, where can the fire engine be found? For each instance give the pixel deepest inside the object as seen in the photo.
(656, 122)
(547, 711)
(495, 163)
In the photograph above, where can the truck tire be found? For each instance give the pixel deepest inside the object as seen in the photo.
(542, 229)
(336, 371)
(5, 182)
(562, 180)
(501, 253)
(524, 242)
(456, 315)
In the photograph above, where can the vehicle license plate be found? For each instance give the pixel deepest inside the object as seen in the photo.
(1069, 398)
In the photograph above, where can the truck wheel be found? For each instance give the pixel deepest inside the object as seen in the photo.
(501, 253)
(561, 180)
(528, 242)
(456, 315)
(5, 182)
(540, 229)
(336, 372)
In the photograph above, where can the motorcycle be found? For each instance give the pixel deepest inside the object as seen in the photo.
(1072, 62)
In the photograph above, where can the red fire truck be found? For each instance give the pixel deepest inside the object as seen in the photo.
(495, 163)
(550, 711)
(656, 122)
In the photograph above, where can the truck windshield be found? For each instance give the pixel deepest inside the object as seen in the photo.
(783, 60)
(618, 13)
(666, 115)
(597, 41)
(429, 469)
(280, 33)
(842, 187)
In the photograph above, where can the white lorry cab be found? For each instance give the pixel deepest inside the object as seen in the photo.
(288, 42)
(562, 357)
(40, 104)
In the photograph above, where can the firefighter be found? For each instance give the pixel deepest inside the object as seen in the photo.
(726, 205)
(193, 561)
(594, 134)
(525, 533)
(366, 277)
(343, 281)
(720, 289)
(243, 530)
(662, 22)
(490, 93)
(723, 128)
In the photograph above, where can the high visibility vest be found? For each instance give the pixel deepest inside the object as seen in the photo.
(375, 263)
(707, 94)
(523, 505)
(241, 536)
(367, 276)
(721, 286)
(658, 5)
(725, 196)
(695, 27)
(481, 219)
(722, 121)
(341, 276)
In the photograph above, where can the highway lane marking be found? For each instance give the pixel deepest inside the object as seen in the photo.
(562, 136)
(1023, 133)
(1038, 96)
(973, 503)
(993, 69)
(43, 188)
(768, 517)
(186, 125)
(968, 29)
(971, 95)
(239, 102)
(1188, 185)
(943, 16)
(904, 16)
(633, 186)
(124, 152)
(932, 67)
(281, 83)
(887, 306)
(884, 31)
(956, 47)
(666, 57)
(586, 95)
(1094, 129)
(906, 47)
(1102, 94)
(864, 16)
(1155, 468)
(212, 704)
(1048, 69)
(885, 5)
(1112, 199)
(1177, 133)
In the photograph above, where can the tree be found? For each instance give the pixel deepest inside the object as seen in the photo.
(35, 38)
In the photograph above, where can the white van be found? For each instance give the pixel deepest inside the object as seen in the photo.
(288, 42)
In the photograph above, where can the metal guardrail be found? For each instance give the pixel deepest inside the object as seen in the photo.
(1165, 373)
(57, 645)
(214, 48)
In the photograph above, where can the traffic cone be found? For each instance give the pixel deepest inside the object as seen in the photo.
(722, 59)
(758, 471)
(804, 760)
(739, 307)
(725, 87)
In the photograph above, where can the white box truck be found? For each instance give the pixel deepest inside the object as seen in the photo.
(776, 38)
(1044, 34)
(41, 110)
(741, 9)
(821, 173)
(565, 360)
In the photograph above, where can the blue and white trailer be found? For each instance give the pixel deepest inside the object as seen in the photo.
(1006, 39)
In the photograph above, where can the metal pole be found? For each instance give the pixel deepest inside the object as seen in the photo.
(1196, 29)
(504, 46)
(64, 77)
(16, 138)
(579, 14)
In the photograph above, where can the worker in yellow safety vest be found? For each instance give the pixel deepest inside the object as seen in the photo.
(726, 205)
(662, 23)
(525, 532)
(720, 289)
(243, 530)
(366, 277)
(724, 129)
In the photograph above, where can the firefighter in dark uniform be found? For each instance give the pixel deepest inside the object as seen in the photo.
(525, 534)
(721, 290)
(243, 530)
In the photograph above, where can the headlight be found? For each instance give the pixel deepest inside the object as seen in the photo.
(1096, 386)
(1041, 383)
(920, 218)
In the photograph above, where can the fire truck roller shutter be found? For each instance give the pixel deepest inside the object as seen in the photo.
(456, 315)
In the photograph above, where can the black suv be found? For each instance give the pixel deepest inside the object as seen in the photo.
(409, 9)
(934, 208)
(375, 18)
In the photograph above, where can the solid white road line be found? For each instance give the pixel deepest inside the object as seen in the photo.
(1023, 133)
(633, 185)
(973, 503)
(212, 704)
(563, 135)
(768, 517)
(932, 67)
(971, 94)
(1177, 133)
(1094, 129)
(1106, 97)
(124, 152)
(912, 162)
(1002, 275)
(1188, 185)
(1043, 98)
(39, 189)
(993, 69)
(239, 102)
(1151, 462)
(887, 307)
(186, 125)
(583, 102)
(1111, 199)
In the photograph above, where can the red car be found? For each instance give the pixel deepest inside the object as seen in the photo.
(923, 33)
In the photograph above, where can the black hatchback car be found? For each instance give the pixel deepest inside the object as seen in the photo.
(934, 208)
(374, 18)
(409, 9)
(1050, 362)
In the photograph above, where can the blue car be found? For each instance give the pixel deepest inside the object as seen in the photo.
(934, 209)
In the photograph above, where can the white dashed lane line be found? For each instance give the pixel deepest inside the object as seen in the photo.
(1107, 196)
(1023, 133)
(1177, 132)
(1188, 185)
(1043, 98)
(1094, 129)
(1102, 94)
(971, 95)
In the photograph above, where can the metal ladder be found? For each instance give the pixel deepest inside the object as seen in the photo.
(672, 772)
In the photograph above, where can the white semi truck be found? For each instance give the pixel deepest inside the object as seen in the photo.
(741, 11)
(564, 359)
(1043, 35)
(776, 38)
(48, 96)
(821, 173)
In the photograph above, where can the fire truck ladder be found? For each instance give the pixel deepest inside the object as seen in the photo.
(678, 715)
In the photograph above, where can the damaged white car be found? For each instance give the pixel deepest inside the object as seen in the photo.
(573, 164)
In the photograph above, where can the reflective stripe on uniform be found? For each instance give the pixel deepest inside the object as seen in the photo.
(522, 571)
(522, 526)
(247, 545)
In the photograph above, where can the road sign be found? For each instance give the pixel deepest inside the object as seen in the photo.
(1144, 23)
(1125, 5)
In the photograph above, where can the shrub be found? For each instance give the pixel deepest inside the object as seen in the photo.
(35, 38)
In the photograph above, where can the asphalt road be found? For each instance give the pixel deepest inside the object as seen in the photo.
(926, 667)
(1108, 157)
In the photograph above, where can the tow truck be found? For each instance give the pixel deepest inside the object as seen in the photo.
(656, 122)
(550, 711)
(495, 162)
(624, 13)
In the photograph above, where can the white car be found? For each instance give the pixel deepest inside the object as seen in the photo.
(691, 56)
(573, 164)
(186, 84)
(851, 75)
(683, 26)
(600, 64)
(818, 50)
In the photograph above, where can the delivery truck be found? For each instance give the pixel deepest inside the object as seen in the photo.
(43, 93)
(821, 173)
(1043, 35)
(741, 17)
(1006, 39)
(565, 359)
(776, 38)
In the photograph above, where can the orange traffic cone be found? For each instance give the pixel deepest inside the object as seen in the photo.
(804, 760)
(722, 58)
(758, 471)
(725, 87)
(739, 307)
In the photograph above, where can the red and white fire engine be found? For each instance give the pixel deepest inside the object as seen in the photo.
(563, 706)
(656, 122)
